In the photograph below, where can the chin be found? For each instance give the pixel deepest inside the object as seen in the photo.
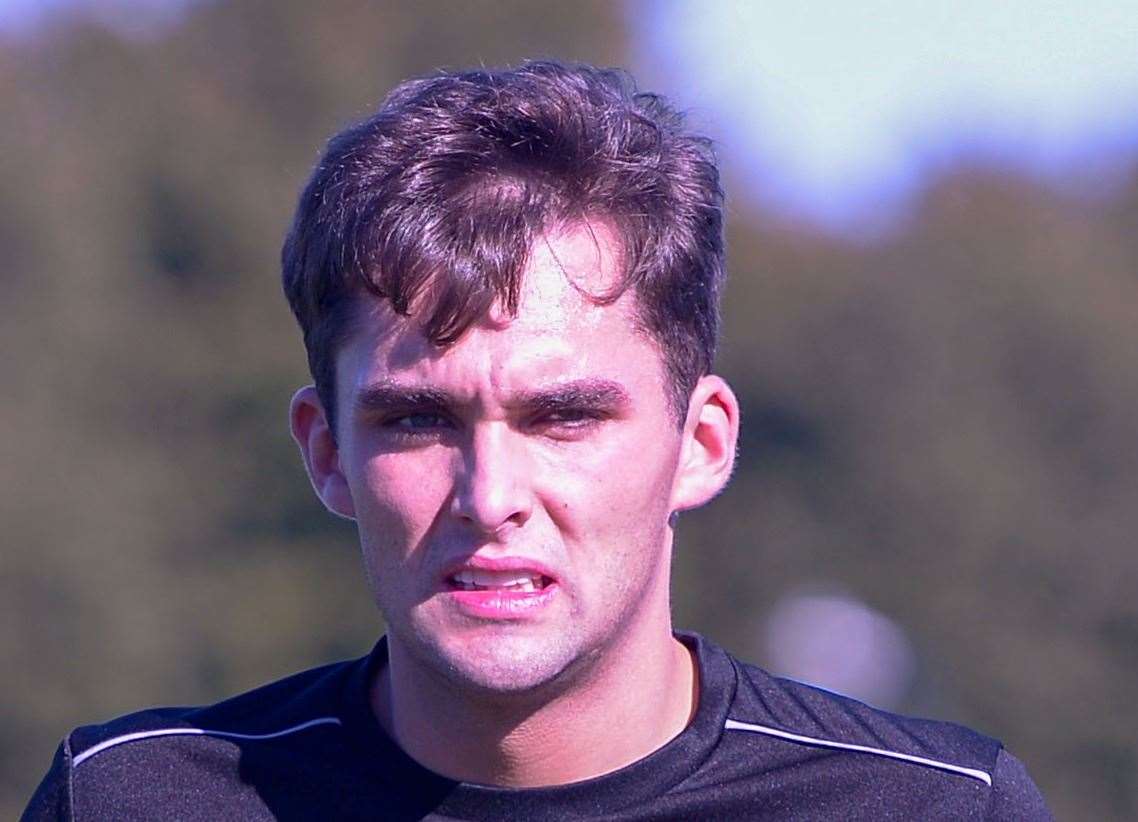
(504, 665)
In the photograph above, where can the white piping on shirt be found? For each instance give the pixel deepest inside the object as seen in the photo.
(735, 725)
(119, 740)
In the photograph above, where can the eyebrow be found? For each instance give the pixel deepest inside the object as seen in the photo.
(594, 393)
(390, 395)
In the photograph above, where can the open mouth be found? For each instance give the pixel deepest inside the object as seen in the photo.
(524, 582)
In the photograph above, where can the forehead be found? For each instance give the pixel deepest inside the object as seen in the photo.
(558, 320)
(567, 270)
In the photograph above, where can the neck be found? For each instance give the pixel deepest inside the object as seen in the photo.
(569, 732)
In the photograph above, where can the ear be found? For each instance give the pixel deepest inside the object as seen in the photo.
(707, 455)
(313, 434)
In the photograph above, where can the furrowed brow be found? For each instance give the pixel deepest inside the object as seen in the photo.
(391, 396)
(576, 394)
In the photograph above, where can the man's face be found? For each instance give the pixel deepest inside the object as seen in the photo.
(512, 492)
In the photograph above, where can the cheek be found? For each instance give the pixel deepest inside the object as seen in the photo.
(618, 491)
(397, 502)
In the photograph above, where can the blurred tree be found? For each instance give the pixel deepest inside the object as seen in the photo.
(163, 544)
(946, 425)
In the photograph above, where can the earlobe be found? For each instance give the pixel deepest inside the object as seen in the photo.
(314, 437)
(710, 436)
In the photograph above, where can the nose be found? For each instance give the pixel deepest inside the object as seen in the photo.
(493, 487)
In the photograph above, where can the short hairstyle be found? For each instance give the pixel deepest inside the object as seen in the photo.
(434, 202)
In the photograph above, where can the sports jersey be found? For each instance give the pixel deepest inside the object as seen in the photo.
(758, 747)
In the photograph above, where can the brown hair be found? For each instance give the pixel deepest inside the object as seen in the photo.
(434, 203)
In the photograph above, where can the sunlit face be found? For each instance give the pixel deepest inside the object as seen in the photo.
(512, 492)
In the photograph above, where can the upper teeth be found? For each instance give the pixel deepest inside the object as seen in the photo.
(518, 580)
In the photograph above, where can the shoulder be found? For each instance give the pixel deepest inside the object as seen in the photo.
(875, 754)
(202, 754)
(807, 715)
(304, 700)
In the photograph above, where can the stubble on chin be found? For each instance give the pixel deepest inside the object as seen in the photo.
(486, 669)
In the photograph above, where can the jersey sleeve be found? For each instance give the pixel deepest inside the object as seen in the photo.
(52, 799)
(1015, 798)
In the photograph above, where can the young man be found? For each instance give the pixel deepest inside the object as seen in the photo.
(508, 285)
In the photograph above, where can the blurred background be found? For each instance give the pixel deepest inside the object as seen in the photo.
(932, 323)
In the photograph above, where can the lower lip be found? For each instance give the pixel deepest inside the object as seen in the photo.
(502, 604)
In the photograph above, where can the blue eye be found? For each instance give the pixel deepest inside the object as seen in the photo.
(419, 421)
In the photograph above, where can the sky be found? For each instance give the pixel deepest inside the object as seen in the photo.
(834, 110)
(129, 16)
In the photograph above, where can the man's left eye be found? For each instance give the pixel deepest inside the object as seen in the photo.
(570, 418)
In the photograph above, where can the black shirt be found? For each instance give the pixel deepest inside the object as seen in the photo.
(309, 747)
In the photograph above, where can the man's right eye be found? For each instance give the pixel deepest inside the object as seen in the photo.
(417, 422)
